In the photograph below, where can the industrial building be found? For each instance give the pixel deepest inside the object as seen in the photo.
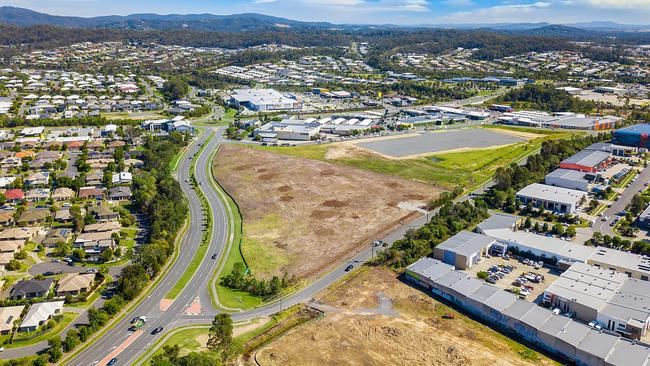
(288, 130)
(556, 251)
(590, 161)
(503, 228)
(557, 199)
(617, 302)
(557, 334)
(463, 250)
(564, 120)
(567, 178)
(633, 265)
(262, 100)
(636, 136)
(615, 150)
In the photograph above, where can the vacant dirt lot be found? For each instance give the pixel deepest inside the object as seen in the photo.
(301, 216)
(374, 319)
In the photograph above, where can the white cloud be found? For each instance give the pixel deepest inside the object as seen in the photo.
(619, 4)
(459, 3)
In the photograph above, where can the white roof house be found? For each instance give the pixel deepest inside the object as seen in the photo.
(122, 177)
(32, 131)
(39, 314)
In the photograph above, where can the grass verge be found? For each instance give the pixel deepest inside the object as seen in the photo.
(226, 297)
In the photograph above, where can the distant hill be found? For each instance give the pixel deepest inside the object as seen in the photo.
(251, 21)
(205, 22)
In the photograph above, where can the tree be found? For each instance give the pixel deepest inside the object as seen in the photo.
(570, 231)
(558, 229)
(175, 88)
(132, 280)
(54, 352)
(482, 275)
(61, 249)
(106, 255)
(79, 253)
(220, 340)
(545, 227)
(528, 223)
(13, 265)
(71, 340)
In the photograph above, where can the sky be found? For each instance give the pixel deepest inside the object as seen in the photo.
(413, 12)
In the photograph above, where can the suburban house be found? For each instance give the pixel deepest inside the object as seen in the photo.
(122, 178)
(6, 217)
(62, 194)
(56, 235)
(91, 192)
(38, 179)
(120, 193)
(14, 195)
(8, 315)
(33, 216)
(38, 314)
(11, 246)
(75, 284)
(95, 242)
(37, 194)
(104, 213)
(29, 289)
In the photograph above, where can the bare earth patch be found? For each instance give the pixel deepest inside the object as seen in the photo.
(302, 216)
(415, 335)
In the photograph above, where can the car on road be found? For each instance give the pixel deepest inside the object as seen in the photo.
(112, 361)
(157, 330)
(214, 256)
(349, 268)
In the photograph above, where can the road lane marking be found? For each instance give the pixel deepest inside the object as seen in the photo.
(121, 348)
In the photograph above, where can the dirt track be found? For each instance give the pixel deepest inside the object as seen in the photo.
(301, 216)
(356, 332)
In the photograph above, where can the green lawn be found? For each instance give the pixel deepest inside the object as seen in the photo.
(230, 298)
(23, 339)
(468, 168)
(186, 339)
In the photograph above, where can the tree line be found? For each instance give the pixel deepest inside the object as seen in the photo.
(160, 199)
(417, 243)
(547, 98)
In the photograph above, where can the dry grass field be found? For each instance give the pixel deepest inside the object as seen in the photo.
(374, 319)
(302, 215)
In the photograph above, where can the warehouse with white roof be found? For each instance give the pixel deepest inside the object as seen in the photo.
(557, 199)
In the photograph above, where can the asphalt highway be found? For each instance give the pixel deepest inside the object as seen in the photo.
(103, 349)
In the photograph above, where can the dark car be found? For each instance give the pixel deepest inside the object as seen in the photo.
(112, 361)
(214, 256)
(157, 330)
(349, 268)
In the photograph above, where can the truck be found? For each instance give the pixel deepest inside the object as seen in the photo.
(137, 323)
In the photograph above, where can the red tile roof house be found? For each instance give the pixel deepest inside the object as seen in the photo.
(91, 192)
(14, 195)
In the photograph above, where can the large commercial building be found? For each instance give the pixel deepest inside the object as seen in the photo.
(464, 249)
(559, 120)
(636, 136)
(567, 178)
(557, 199)
(589, 161)
(617, 302)
(264, 100)
(560, 335)
(289, 129)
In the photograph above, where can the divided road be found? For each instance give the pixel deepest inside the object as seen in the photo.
(103, 349)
